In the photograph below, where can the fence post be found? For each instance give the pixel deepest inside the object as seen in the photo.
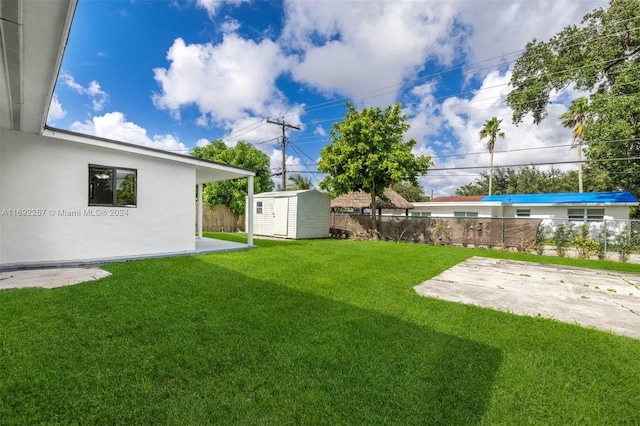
(502, 230)
(606, 237)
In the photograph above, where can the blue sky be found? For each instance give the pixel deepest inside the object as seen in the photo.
(175, 74)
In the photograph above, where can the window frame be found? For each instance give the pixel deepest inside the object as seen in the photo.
(594, 217)
(523, 212)
(114, 190)
(259, 207)
(461, 214)
(572, 215)
(420, 214)
(587, 214)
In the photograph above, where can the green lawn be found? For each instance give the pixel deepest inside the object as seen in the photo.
(304, 332)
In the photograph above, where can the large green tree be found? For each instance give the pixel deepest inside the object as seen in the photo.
(574, 119)
(601, 56)
(368, 152)
(529, 180)
(412, 192)
(232, 193)
(491, 130)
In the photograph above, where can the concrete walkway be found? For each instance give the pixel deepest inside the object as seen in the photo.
(605, 300)
(49, 278)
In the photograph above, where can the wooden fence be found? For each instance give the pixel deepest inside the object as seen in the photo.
(490, 232)
(220, 218)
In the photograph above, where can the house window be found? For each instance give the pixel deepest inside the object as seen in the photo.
(575, 215)
(591, 215)
(465, 214)
(523, 212)
(421, 214)
(259, 207)
(595, 215)
(112, 186)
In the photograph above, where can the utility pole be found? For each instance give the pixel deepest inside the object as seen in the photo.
(284, 144)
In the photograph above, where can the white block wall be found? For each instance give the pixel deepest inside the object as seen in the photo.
(37, 172)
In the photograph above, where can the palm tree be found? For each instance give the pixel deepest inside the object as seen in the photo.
(299, 182)
(491, 129)
(574, 119)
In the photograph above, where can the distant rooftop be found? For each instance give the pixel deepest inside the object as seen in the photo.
(565, 198)
(457, 199)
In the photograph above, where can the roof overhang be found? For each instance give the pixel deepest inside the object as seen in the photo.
(34, 36)
(206, 171)
(459, 204)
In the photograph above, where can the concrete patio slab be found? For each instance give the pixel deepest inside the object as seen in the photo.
(202, 246)
(605, 300)
(49, 278)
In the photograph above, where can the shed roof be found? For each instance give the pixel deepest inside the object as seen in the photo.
(280, 194)
(362, 200)
(621, 197)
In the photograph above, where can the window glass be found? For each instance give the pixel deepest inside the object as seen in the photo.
(259, 207)
(576, 214)
(523, 212)
(472, 214)
(459, 214)
(126, 187)
(100, 186)
(110, 186)
(594, 215)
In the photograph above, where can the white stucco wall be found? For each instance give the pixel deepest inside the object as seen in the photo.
(447, 209)
(51, 175)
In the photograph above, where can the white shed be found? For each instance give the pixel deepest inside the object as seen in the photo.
(292, 214)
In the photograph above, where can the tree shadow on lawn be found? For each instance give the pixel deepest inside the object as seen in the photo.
(230, 349)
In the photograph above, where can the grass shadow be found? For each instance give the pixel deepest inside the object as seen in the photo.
(151, 346)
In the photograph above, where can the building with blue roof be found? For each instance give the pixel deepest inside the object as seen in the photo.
(571, 206)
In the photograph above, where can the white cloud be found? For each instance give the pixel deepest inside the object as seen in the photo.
(226, 81)
(98, 96)
(230, 26)
(320, 131)
(355, 47)
(202, 142)
(294, 165)
(212, 6)
(114, 125)
(501, 27)
(56, 111)
(461, 120)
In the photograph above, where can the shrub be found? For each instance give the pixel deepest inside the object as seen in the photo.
(440, 234)
(583, 242)
(624, 244)
(562, 237)
(541, 236)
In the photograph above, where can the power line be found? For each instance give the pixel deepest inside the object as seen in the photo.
(284, 125)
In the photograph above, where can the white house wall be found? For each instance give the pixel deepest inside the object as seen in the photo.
(447, 210)
(48, 178)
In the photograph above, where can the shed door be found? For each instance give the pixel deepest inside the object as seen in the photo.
(280, 216)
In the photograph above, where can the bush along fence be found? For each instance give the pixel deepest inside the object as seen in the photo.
(605, 239)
